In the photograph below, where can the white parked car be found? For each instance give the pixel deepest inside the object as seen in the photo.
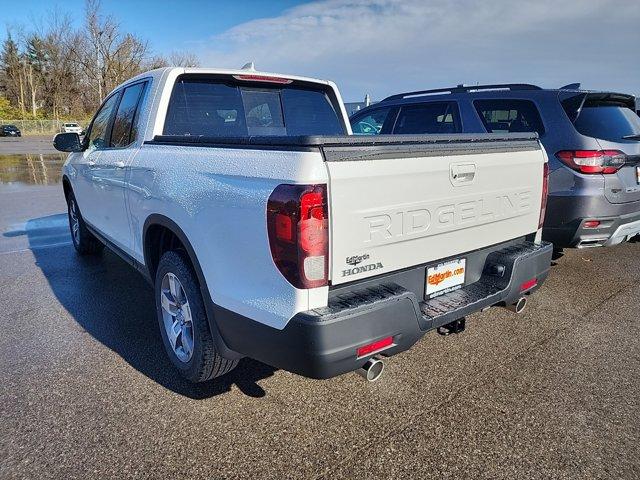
(269, 231)
(71, 128)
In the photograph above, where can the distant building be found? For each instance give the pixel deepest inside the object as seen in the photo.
(353, 107)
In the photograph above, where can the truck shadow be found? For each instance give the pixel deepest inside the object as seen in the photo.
(115, 305)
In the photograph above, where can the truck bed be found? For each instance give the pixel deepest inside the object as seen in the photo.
(397, 201)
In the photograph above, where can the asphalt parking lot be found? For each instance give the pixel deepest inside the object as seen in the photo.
(33, 144)
(87, 390)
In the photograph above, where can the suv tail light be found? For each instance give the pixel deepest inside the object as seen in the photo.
(298, 228)
(545, 193)
(593, 161)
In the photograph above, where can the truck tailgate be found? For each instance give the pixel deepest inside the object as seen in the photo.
(399, 202)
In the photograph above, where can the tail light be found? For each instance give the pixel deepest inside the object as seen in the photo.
(593, 161)
(298, 228)
(545, 194)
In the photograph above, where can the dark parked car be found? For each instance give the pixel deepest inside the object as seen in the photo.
(592, 140)
(9, 131)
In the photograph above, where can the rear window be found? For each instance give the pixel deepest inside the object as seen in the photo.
(505, 116)
(220, 108)
(602, 118)
(435, 117)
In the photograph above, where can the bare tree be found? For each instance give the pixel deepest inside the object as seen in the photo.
(106, 55)
(183, 59)
(33, 63)
(175, 59)
(56, 71)
(58, 81)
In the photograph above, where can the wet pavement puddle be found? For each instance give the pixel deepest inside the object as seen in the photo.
(32, 207)
(31, 169)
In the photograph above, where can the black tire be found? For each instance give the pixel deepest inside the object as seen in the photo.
(205, 363)
(84, 242)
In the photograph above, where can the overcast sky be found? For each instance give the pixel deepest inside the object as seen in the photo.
(385, 46)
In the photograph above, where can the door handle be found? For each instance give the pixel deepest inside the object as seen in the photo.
(119, 165)
(91, 163)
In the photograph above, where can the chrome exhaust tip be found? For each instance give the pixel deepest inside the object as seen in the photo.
(519, 306)
(372, 370)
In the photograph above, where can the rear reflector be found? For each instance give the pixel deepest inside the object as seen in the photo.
(528, 284)
(375, 347)
(593, 161)
(263, 78)
(592, 224)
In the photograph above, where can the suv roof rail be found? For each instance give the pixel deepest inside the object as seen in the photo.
(466, 88)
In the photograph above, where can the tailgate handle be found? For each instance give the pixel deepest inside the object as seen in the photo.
(463, 173)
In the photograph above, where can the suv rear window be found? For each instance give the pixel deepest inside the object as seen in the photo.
(505, 115)
(221, 108)
(602, 118)
(433, 117)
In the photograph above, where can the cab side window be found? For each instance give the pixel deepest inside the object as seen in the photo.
(124, 125)
(99, 127)
(504, 116)
(371, 123)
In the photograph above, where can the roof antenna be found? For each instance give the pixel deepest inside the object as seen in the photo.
(249, 66)
(571, 86)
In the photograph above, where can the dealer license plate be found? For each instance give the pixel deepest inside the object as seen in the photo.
(445, 277)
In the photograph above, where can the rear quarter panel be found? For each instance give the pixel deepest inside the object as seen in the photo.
(218, 198)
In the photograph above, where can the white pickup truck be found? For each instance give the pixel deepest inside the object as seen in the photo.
(269, 231)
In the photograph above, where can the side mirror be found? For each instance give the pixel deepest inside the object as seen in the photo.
(67, 142)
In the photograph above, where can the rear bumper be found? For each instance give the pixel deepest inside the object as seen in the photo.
(613, 229)
(322, 343)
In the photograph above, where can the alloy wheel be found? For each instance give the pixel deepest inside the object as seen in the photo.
(176, 316)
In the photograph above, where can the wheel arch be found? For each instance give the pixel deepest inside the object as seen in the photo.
(157, 224)
(66, 186)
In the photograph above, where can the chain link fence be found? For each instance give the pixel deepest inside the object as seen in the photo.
(38, 127)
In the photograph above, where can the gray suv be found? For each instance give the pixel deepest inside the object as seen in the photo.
(592, 140)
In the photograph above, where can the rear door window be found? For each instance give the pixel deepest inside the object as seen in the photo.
(124, 132)
(434, 117)
(99, 128)
(221, 108)
(505, 115)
